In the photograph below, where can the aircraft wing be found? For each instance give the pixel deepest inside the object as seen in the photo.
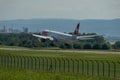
(86, 37)
(43, 37)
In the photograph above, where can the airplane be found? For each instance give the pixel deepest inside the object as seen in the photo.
(60, 36)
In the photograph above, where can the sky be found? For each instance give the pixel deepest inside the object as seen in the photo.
(63, 9)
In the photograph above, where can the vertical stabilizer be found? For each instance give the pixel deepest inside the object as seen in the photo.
(77, 29)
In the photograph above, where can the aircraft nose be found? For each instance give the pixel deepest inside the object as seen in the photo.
(44, 33)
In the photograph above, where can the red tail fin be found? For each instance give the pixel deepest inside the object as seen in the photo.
(77, 29)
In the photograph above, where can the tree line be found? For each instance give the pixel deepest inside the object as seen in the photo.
(27, 40)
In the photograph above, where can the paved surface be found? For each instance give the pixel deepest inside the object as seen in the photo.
(77, 51)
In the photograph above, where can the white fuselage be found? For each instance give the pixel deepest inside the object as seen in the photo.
(59, 35)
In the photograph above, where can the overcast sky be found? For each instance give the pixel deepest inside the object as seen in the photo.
(67, 9)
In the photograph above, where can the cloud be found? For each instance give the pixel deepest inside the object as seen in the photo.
(75, 9)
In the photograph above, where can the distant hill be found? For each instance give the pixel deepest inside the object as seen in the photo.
(106, 27)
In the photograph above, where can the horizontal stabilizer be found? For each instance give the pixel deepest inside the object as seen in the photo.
(85, 38)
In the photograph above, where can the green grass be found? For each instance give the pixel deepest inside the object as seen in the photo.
(45, 74)
(57, 53)
(22, 74)
(5, 46)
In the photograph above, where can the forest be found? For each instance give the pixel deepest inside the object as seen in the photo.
(29, 41)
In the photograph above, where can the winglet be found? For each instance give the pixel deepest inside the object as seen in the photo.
(77, 29)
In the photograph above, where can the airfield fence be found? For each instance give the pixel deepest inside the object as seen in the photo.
(102, 68)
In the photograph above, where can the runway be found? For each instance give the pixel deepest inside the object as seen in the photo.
(71, 51)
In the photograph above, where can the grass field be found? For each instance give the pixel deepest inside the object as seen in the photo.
(23, 74)
(72, 54)
(41, 71)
